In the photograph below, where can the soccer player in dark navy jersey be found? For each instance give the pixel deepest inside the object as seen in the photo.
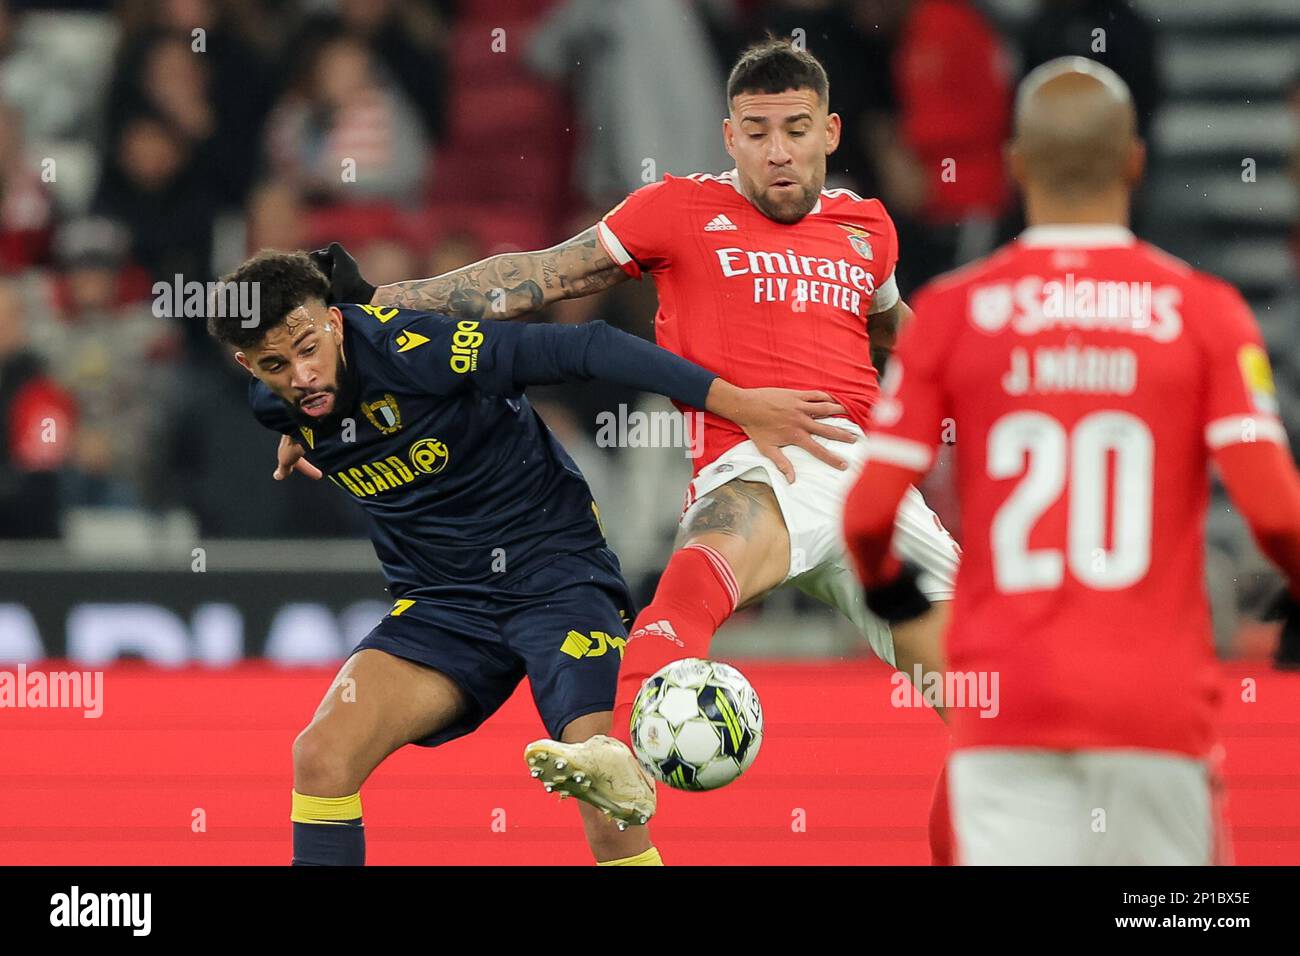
(487, 532)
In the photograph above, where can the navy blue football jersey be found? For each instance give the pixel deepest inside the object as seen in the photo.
(465, 488)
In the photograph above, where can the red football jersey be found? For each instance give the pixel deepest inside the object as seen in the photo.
(762, 303)
(1084, 378)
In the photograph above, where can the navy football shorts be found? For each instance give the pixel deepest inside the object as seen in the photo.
(563, 627)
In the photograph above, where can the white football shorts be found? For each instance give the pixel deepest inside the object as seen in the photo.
(1037, 807)
(813, 509)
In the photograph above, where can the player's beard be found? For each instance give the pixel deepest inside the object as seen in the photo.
(788, 210)
(345, 397)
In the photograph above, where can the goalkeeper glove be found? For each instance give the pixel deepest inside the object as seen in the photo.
(346, 284)
(900, 599)
(1286, 609)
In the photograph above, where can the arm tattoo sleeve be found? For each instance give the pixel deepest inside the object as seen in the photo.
(511, 284)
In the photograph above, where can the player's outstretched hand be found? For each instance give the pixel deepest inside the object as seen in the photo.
(346, 284)
(289, 458)
(777, 417)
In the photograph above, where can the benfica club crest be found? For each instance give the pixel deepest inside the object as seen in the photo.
(383, 414)
(860, 243)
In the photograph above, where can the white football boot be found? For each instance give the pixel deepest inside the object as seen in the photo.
(600, 771)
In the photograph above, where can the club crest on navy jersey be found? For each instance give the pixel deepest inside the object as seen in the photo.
(383, 414)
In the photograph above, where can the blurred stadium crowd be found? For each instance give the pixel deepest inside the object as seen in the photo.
(150, 139)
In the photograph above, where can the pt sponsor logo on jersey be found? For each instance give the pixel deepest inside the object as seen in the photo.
(384, 414)
(860, 240)
(1030, 305)
(719, 223)
(427, 456)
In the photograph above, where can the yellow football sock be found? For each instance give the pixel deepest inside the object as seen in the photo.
(308, 809)
(328, 831)
(650, 857)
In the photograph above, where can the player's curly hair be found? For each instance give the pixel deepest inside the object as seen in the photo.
(284, 281)
(775, 65)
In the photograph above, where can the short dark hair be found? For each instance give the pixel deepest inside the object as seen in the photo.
(284, 281)
(775, 65)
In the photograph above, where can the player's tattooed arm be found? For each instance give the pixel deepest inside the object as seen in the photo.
(511, 284)
(883, 329)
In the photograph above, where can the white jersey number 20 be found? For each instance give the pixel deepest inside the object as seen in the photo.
(1053, 454)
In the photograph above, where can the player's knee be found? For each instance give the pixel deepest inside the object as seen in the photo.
(321, 768)
(587, 726)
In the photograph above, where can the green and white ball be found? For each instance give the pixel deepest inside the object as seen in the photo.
(696, 724)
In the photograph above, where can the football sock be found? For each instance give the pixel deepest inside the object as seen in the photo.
(696, 593)
(327, 831)
(648, 857)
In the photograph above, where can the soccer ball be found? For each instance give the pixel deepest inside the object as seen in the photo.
(696, 724)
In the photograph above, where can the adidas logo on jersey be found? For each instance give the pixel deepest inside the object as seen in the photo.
(658, 628)
(720, 223)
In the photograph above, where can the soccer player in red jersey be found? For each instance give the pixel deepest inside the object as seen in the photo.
(769, 279)
(1092, 380)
